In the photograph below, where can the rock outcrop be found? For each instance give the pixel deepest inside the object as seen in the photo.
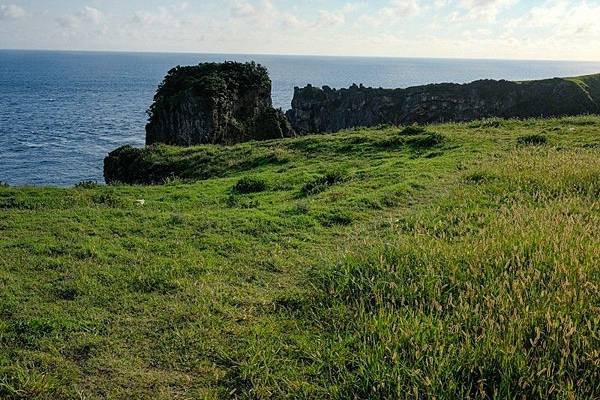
(329, 110)
(218, 103)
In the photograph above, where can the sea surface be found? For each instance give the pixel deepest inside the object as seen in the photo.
(62, 112)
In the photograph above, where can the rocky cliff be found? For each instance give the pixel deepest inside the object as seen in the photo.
(329, 110)
(220, 103)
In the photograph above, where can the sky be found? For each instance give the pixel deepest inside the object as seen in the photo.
(508, 29)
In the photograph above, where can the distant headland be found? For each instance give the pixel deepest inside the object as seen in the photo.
(226, 103)
(317, 110)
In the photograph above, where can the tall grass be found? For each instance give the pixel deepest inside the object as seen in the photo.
(495, 294)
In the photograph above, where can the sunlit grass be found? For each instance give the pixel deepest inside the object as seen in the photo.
(451, 262)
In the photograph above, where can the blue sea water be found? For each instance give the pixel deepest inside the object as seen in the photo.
(62, 112)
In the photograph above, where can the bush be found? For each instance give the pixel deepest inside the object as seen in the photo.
(234, 201)
(320, 183)
(248, 185)
(532, 140)
(412, 130)
(487, 123)
(336, 217)
(87, 185)
(109, 199)
(480, 177)
(4, 184)
(300, 209)
(176, 219)
(426, 140)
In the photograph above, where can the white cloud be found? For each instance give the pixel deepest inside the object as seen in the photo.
(561, 19)
(290, 21)
(400, 9)
(87, 16)
(243, 9)
(173, 24)
(557, 29)
(11, 11)
(262, 13)
(330, 19)
(393, 12)
(484, 10)
(350, 8)
(265, 15)
(160, 17)
(90, 14)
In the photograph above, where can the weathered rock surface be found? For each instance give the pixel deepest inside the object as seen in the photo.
(329, 110)
(218, 103)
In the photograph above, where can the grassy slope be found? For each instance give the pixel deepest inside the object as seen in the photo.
(590, 84)
(466, 268)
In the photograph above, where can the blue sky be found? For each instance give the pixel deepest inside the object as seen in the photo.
(523, 29)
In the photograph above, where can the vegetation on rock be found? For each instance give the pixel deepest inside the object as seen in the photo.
(219, 103)
(329, 110)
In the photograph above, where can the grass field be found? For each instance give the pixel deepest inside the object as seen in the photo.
(458, 261)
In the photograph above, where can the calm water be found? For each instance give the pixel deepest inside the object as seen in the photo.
(62, 112)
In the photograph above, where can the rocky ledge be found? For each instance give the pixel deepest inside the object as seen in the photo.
(317, 110)
(218, 103)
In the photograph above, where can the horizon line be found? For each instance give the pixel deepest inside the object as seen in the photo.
(297, 55)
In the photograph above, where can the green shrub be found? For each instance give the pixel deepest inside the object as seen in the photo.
(300, 209)
(479, 177)
(87, 185)
(532, 140)
(426, 140)
(13, 202)
(320, 183)
(316, 185)
(108, 199)
(487, 123)
(177, 219)
(249, 184)
(335, 217)
(234, 201)
(4, 184)
(413, 130)
(65, 291)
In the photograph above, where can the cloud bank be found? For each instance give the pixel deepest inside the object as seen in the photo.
(546, 29)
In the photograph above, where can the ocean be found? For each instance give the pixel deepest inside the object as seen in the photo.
(62, 112)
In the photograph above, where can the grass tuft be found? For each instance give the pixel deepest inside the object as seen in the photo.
(87, 185)
(413, 130)
(249, 184)
(532, 140)
(426, 140)
(320, 183)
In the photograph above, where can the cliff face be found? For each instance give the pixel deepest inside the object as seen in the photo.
(329, 110)
(215, 103)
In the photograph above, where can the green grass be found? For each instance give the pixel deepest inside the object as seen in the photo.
(590, 84)
(461, 261)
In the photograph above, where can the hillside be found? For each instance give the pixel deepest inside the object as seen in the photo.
(590, 84)
(451, 261)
